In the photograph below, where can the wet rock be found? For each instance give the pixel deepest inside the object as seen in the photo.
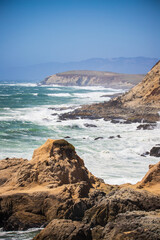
(117, 121)
(67, 137)
(145, 154)
(23, 220)
(97, 138)
(155, 151)
(147, 126)
(89, 125)
(118, 136)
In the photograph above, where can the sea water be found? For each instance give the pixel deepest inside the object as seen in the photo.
(29, 115)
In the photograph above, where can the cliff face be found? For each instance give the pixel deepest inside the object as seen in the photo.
(146, 92)
(94, 78)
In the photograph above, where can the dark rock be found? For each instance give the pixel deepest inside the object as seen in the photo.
(89, 125)
(97, 138)
(118, 136)
(147, 126)
(155, 151)
(23, 220)
(67, 137)
(111, 137)
(117, 121)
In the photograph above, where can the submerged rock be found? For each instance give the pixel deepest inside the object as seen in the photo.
(97, 138)
(89, 125)
(146, 126)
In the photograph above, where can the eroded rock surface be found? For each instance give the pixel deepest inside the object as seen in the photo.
(56, 190)
(54, 184)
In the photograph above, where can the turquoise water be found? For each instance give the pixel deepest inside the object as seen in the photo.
(29, 116)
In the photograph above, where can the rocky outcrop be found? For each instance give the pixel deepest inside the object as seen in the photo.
(56, 191)
(155, 151)
(94, 78)
(53, 164)
(54, 184)
(142, 102)
(152, 179)
(66, 230)
(124, 214)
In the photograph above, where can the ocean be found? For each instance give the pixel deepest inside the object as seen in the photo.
(29, 116)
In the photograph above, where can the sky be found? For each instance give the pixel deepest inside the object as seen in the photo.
(39, 31)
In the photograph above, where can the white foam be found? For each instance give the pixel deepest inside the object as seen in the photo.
(59, 94)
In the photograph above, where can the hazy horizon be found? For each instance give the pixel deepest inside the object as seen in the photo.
(43, 31)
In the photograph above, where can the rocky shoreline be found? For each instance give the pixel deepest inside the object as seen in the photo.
(56, 190)
(141, 103)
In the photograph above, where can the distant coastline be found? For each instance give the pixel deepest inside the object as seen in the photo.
(94, 78)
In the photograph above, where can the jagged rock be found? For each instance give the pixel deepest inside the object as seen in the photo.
(55, 188)
(151, 179)
(155, 151)
(54, 184)
(120, 201)
(65, 230)
(133, 225)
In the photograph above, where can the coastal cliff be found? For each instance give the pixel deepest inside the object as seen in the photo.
(142, 102)
(94, 78)
(56, 190)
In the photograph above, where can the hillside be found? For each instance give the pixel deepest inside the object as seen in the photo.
(146, 92)
(94, 78)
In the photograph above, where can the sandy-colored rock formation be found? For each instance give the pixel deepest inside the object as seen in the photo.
(56, 190)
(146, 92)
(151, 180)
(49, 186)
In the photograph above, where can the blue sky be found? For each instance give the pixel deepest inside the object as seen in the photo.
(38, 31)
